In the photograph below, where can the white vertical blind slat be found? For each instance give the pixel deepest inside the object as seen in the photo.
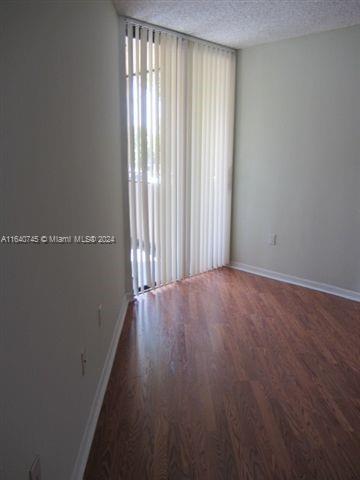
(150, 122)
(196, 159)
(215, 262)
(163, 143)
(186, 223)
(212, 134)
(223, 167)
(157, 156)
(174, 159)
(203, 163)
(137, 153)
(180, 187)
(194, 107)
(169, 132)
(131, 160)
(145, 130)
(230, 143)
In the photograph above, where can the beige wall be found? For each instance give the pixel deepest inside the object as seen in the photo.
(297, 159)
(61, 173)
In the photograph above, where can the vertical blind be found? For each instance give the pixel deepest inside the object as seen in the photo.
(180, 107)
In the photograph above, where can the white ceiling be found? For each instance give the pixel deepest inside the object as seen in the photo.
(241, 23)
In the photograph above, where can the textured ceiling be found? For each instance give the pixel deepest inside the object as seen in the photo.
(239, 23)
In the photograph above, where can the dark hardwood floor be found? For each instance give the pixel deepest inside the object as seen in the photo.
(229, 375)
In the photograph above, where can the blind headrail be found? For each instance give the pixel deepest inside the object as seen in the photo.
(140, 23)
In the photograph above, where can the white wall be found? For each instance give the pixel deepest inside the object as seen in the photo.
(297, 158)
(61, 173)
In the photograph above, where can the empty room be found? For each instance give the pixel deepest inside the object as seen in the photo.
(180, 239)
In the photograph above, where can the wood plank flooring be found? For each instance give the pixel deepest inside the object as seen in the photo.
(229, 375)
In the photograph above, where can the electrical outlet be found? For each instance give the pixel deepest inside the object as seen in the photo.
(272, 239)
(83, 362)
(35, 470)
(100, 315)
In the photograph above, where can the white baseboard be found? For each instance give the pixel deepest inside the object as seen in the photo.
(303, 282)
(90, 427)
